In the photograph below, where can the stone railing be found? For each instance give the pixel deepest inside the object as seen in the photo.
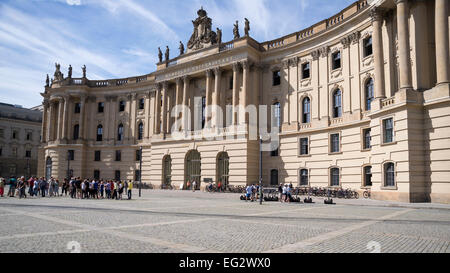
(172, 63)
(275, 43)
(226, 46)
(335, 121)
(305, 126)
(77, 81)
(121, 82)
(305, 33)
(388, 102)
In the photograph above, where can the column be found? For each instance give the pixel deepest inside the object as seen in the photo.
(92, 132)
(60, 118)
(157, 119)
(403, 44)
(65, 124)
(377, 42)
(284, 103)
(442, 46)
(133, 115)
(216, 103)
(51, 122)
(235, 92)
(243, 98)
(44, 121)
(147, 115)
(208, 95)
(164, 107)
(178, 98)
(82, 115)
(185, 103)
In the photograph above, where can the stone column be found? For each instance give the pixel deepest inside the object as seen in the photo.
(82, 116)
(157, 127)
(51, 122)
(442, 42)
(377, 42)
(185, 102)
(208, 95)
(44, 121)
(243, 98)
(148, 97)
(165, 91)
(216, 103)
(403, 44)
(65, 124)
(133, 115)
(235, 92)
(60, 118)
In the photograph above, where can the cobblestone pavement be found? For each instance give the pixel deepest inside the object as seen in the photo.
(175, 221)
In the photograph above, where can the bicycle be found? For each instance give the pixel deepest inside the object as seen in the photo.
(366, 193)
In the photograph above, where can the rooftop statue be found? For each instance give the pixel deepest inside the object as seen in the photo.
(167, 53)
(58, 75)
(202, 35)
(181, 48)
(219, 36)
(236, 31)
(160, 55)
(247, 26)
(47, 81)
(84, 71)
(70, 72)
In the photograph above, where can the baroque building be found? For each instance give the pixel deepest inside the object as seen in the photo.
(359, 100)
(20, 131)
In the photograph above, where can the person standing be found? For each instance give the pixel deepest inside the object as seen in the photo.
(280, 191)
(12, 186)
(194, 184)
(31, 186)
(2, 186)
(130, 188)
(43, 186)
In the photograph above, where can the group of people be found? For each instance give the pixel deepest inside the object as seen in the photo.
(252, 192)
(75, 188)
(285, 192)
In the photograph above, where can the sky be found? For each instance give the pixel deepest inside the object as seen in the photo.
(120, 38)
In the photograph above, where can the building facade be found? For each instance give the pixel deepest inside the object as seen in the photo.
(359, 100)
(20, 140)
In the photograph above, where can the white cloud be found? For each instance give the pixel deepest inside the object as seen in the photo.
(73, 2)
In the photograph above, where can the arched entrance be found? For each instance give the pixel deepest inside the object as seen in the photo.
(192, 170)
(167, 171)
(223, 169)
(48, 168)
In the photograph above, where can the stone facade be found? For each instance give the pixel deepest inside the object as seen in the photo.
(362, 100)
(20, 131)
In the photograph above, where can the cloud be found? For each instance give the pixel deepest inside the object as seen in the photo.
(73, 2)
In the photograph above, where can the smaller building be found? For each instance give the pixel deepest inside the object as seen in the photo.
(20, 133)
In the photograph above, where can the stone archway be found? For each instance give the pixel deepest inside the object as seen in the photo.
(223, 169)
(167, 172)
(192, 167)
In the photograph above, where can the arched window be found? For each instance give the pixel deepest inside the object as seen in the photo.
(192, 171)
(306, 110)
(167, 170)
(140, 131)
(304, 177)
(120, 132)
(337, 103)
(334, 176)
(276, 115)
(369, 93)
(76, 132)
(389, 174)
(223, 168)
(99, 133)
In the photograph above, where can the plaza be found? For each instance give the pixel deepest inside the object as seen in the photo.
(175, 221)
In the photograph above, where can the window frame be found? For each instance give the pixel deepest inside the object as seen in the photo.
(100, 107)
(330, 143)
(330, 173)
(300, 177)
(383, 130)
(308, 114)
(99, 157)
(384, 186)
(122, 106)
(363, 139)
(99, 137)
(118, 157)
(334, 106)
(363, 174)
(368, 106)
(303, 67)
(333, 60)
(365, 46)
(276, 77)
(300, 146)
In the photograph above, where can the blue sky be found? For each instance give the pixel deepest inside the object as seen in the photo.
(119, 38)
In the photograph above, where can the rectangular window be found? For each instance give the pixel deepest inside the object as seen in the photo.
(29, 136)
(71, 155)
(117, 175)
(334, 177)
(77, 108)
(274, 153)
(121, 106)
(276, 78)
(304, 177)
(305, 71)
(334, 143)
(97, 175)
(336, 61)
(368, 176)
(118, 155)
(367, 139)
(97, 156)
(141, 104)
(15, 135)
(101, 107)
(368, 46)
(28, 154)
(1, 150)
(14, 151)
(304, 146)
(388, 130)
(138, 155)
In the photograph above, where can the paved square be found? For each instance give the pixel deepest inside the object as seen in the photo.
(175, 221)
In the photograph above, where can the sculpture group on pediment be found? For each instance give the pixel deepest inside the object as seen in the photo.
(58, 75)
(202, 35)
(236, 30)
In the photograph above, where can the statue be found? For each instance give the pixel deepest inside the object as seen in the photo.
(219, 36)
(70, 72)
(47, 81)
(84, 71)
(58, 75)
(236, 31)
(181, 48)
(167, 53)
(247, 26)
(202, 36)
(159, 55)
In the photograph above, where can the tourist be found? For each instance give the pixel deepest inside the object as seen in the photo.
(130, 188)
(31, 186)
(43, 185)
(37, 186)
(114, 190)
(102, 189)
(12, 186)
(280, 191)
(248, 194)
(288, 193)
(108, 190)
(125, 187)
(188, 185)
(22, 186)
(194, 184)
(120, 189)
(2, 186)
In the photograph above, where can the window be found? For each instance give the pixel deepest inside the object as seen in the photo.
(306, 71)
(100, 133)
(97, 175)
(368, 176)
(71, 155)
(334, 143)
(29, 136)
(121, 106)
(138, 155)
(77, 108)
(117, 175)
(276, 78)
(369, 94)
(336, 60)
(276, 115)
(388, 130)
(1, 150)
(337, 103)
(1, 133)
(334, 173)
(15, 134)
(367, 43)
(140, 131)
(118, 155)
(76, 132)
(306, 117)
(27, 154)
(275, 152)
(141, 104)
(274, 177)
(304, 177)
(304, 146)
(97, 155)
(137, 175)
(101, 107)
(367, 139)
(120, 132)
(389, 175)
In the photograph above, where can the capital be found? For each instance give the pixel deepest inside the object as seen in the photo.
(235, 67)
(178, 81)
(400, 1)
(245, 64)
(186, 79)
(209, 73)
(293, 61)
(376, 14)
(217, 71)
